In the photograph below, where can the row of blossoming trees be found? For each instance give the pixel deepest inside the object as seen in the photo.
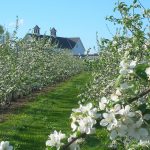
(118, 98)
(26, 66)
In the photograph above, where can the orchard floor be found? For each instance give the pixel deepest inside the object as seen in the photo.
(28, 127)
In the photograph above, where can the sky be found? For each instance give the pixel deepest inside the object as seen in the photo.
(71, 18)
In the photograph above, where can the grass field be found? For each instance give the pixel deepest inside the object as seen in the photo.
(27, 128)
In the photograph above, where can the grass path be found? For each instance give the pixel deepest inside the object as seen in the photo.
(28, 127)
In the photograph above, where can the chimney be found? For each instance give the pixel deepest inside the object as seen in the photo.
(53, 32)
(36, 30)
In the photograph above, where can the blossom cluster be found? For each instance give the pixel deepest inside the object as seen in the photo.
(124, 121)
(83, 121)
(84, 118)
(4, 145)
(127, 124)
(148, 72)
(55, 140)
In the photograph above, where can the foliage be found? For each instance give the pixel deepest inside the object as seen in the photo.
(1, 29)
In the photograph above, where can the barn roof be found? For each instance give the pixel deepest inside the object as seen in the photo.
(62, 42)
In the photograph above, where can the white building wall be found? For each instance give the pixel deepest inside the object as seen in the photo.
(79, 48)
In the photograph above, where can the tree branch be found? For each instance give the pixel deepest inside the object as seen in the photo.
(130, 100)
(73, 140)
(109, 30)
(144, 9)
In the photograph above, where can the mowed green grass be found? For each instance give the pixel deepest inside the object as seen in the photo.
(28, 128)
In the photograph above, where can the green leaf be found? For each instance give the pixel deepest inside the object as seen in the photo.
(117, 83)
(142, 108)
(135, 1)
(140, 71)
(1, 29)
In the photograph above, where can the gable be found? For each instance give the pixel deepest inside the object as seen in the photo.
(79, 48)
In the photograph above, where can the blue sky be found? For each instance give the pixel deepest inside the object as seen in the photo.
(71, 18)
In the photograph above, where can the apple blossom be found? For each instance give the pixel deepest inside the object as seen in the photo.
(125, 111)
(86, 125)
(109, 120)
(114, 97)
(148, 72)
(103, 102)
(127, 67)
(4, 145)
(54, 139)
(124, 86)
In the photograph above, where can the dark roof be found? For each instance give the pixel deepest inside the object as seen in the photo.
(53, 29)
(36, 27)
(75, 39)
(62, 42)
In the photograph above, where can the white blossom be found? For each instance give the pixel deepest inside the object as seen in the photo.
(122, 130)
(74, 146)
(136, 130)
(4, 145)
(54, 139)
(114, 97)
(113, 134)
(146, 117)
(115, 109)
(127, 67)
(114, 43)
(148, 72)
(109, 120)
(118, 92)
(83, 109)
(103, 102)
(144, 143)
(137, 133)
(73, 125)
(124, 86)
(86, 125)
(84, 118)
(132, 64)
(125, 111)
